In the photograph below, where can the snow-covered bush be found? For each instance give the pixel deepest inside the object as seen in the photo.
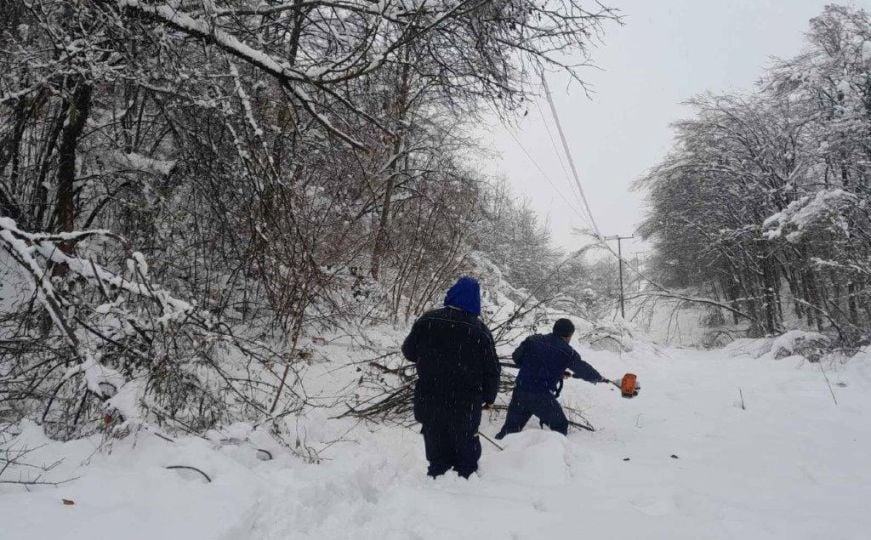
(810, 345)
(95, 348)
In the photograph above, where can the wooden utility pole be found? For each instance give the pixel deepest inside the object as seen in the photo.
(619, 238)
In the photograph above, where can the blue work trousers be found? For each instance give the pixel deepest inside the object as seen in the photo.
(541, 404)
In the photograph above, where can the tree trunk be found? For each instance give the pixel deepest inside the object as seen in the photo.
(382, 236)
(66, 171)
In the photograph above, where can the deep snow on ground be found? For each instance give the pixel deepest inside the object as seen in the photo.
(790, 464)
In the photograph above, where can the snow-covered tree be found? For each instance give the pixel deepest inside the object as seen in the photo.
(764, 199)
(275, 165)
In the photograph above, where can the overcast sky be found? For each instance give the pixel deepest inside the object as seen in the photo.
(667, 52)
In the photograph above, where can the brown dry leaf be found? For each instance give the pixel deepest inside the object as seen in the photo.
(68, 502)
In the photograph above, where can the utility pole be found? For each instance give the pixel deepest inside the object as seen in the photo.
(619, 238)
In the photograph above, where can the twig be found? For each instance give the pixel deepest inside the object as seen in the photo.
(828, 383)
(37, 482)
(186, 467)
(491, 441)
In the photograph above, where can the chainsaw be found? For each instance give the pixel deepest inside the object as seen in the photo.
(628, 385)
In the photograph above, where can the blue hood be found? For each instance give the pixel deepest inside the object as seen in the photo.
(466, 295)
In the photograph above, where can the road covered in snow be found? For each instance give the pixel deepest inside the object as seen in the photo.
(719, 444)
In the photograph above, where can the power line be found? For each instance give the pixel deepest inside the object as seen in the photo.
(556, 151)
(599, 237)
(566, 175)
(544, 174)
(664, 292)
(571, 161)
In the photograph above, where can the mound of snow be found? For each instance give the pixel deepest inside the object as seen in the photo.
(752, 347)
(806, 344)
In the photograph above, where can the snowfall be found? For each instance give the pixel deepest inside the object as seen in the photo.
(744, 442)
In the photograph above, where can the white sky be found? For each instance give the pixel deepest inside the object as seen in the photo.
(667, 52)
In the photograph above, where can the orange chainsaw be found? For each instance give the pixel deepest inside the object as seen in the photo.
(628, 385)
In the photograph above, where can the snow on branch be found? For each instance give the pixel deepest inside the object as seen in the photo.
(38, 254)
(289, 77)
(23, 246)
(806, 211)
(138, 162)
(15, 243)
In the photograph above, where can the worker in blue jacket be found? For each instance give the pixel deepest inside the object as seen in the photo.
(543, 361)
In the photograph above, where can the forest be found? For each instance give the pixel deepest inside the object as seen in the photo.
(763, 202)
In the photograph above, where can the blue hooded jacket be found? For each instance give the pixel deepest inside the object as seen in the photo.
(465, 295)
(542, 359)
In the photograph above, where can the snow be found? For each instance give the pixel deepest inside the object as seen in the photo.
(97, 377)
(804, 212)
(291, 77)
(844, 87)
(127, 401)
(754, 348)
(140, 263)
(202, 28)
(760, 451)
(138, 162)
(791, 341)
